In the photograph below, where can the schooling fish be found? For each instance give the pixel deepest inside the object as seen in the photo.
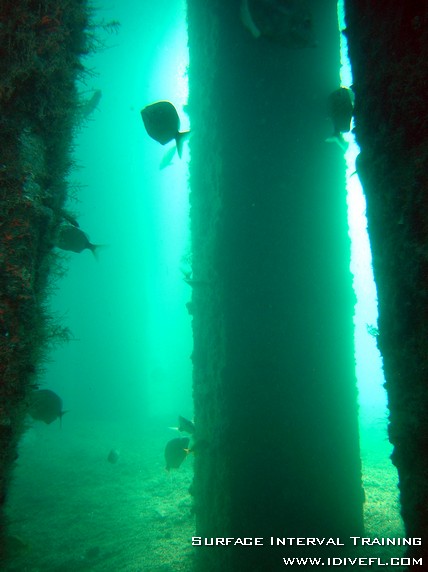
(163, 124)
(340, 110)
(285, 22)
(176, 451)
(74, 239)
(45, 405)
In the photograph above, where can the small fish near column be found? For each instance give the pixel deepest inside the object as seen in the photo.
(340, 110)
(162, 124)
(45, 405)
(176, 451)
(73, 239)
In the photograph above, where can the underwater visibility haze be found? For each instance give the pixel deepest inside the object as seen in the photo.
(207, 302)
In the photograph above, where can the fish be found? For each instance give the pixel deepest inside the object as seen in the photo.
(163, 124)
(72, 238)
(176, 451)
(185, 426)
(87, 107)
(285, 22)
(113, 456)
(45, 405)
(340, 110)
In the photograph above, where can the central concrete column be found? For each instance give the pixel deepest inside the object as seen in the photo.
(274, 382)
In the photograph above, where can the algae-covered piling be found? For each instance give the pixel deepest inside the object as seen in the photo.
(274, 382)
(389, 64)
(41, 45)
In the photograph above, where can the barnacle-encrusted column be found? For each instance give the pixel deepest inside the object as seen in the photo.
(388, 48)
(277, 449)
(40, 46)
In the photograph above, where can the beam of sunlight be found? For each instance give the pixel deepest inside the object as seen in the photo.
(379, 475)
(170, 331)
(372, 395)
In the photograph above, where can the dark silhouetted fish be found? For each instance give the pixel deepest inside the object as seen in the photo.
(340, 110)
(87, 107)
(185, 426)
(74, 239)
(163, 124)
(286, 22)
(113, 456)
(45, 405)
(176, 451)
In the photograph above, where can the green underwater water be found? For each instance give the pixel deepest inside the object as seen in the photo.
(126, 374)
(72, 510)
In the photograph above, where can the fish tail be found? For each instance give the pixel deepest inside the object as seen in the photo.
(95, 249)
(182, 136)
(247, 19)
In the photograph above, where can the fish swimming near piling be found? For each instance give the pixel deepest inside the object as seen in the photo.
(45, 405)
(73, 239)
(163, 124)
(176, 451)
(340, 110)
(285, 22)
(185, 425)
(87, 107)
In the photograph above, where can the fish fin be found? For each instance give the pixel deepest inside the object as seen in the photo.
(339, 140)
(167, 158)
(247, 19)
(95, 248)
(182, 136)
(60, 417)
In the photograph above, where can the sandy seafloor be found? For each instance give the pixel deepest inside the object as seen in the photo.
(71, 510)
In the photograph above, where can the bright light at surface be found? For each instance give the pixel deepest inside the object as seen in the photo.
(372, 396)
(171, 63)
(381, 508)
(128, 309)
(170, 337)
